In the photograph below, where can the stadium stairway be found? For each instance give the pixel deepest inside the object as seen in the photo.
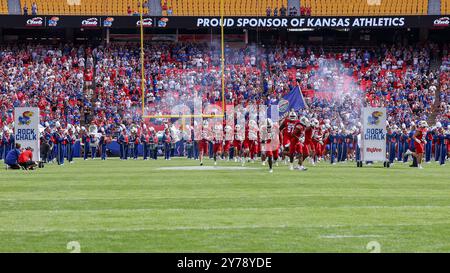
(154, 7)
(14, 7)
(294, 3)
(434, 7)
(90, 90)
(435, 65)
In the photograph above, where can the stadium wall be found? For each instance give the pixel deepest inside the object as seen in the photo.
(367, 22)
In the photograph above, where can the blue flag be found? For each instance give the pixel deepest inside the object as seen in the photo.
(293, 100)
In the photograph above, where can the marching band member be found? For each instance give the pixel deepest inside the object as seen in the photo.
(60, 145)
(390, 141)
(123, 141)
(134, 143)
(93, 131)
(167, 140)
(145, 140)
(7, 141)
(70, 138)
(441, 140)
(431, 138)
(403, 145)
(1, 144)
(435, 141)
(103, 141)
(153, 141)
(55, 141)
(48, 138)
(85, 139)
(334, 144)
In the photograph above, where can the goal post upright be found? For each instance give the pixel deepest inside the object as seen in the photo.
(222, 69)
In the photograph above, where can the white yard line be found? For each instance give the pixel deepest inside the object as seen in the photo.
(348, 236)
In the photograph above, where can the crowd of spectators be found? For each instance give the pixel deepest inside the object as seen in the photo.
(443, 114)
(103, 84)
(49, 77)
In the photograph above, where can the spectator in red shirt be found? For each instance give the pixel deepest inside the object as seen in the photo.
(26, 159)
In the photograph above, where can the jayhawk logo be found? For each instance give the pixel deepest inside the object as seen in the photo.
(25, 119)
(374, 119)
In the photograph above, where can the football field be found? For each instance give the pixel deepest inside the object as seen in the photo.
(155, 206)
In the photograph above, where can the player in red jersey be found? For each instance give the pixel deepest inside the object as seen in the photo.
(317, 139)
(287, 129)
(239, 136)
(269, 142)
(309, 131)
(227, 142)
(300, 147)
(419, 143)
(251, 138)
(203, 143)
(217, 141)
(325, 139)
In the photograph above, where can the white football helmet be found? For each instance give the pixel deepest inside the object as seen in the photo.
(423, 124)
(238, 127)
(292, 115)
(304, 121)
(227, 128)
(252, 123)
(438, 125)
(314, 123)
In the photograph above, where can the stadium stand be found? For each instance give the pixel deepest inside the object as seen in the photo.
(3, 7)
(318, 7)
(98, 7)
(445, 7)
(362, 7)
(231, 7)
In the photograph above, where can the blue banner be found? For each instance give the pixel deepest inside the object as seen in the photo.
(293, 100)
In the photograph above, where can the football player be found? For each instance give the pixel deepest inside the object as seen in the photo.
(419, 143)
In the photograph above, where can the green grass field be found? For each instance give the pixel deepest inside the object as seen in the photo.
(132, 206)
